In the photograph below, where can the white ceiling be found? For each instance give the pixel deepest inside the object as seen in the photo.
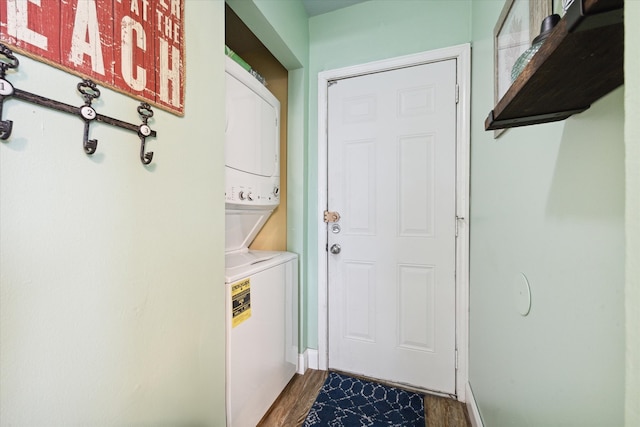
(318, 7)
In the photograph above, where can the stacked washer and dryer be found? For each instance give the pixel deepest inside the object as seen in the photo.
(261, 286)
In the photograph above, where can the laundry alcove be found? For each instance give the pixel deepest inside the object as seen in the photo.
(240, 39)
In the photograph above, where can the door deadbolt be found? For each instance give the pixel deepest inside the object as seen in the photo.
(331, 216)
(335, 249)
(335, 228)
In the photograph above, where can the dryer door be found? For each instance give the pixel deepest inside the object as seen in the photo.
(252, 140)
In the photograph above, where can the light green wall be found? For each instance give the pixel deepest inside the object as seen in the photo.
(547, 201)
(111, 296)
(281, 25)
(370, 31)
(632, 138)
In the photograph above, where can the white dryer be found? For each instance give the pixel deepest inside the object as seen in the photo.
(261, 286)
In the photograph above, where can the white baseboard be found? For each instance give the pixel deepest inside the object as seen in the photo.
(303, 363)
(313, 358)
(307, 360)
(472, 408)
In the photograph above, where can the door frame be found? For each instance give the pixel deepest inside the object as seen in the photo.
(462, 54)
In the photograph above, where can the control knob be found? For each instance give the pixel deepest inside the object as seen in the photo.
(245, 196)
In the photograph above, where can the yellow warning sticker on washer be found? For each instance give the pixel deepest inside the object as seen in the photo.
(240, 302)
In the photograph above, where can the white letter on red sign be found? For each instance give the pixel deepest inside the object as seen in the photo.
(18, 23)
(167, 74)
(128, 27)
(175, 8)
(86, 22)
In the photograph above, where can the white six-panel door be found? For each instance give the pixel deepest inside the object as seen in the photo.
(392, 178)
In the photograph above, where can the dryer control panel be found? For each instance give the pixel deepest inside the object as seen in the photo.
(249, 196)
(259, 193)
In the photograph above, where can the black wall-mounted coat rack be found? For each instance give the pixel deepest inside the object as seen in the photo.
(86, 112)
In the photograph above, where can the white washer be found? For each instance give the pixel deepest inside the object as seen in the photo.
(262, 333)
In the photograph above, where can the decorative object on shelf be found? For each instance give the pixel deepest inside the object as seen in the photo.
(545, 29)
(582, 60)
(86, 112)
(515, 29)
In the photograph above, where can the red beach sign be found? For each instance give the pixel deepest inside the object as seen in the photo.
(133, 46)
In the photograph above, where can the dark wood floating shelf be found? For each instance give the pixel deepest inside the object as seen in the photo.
(581, 61)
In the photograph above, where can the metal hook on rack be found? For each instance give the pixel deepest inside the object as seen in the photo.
(87, 113)
(89, 92)
(145, 112)
(7, 61)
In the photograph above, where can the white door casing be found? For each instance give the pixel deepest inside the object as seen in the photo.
(409, 340)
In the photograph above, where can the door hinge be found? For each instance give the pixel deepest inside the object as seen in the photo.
(459, 219)
(457, 94)
(456, 359)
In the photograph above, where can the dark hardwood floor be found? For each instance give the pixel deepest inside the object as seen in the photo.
(293, 404)
(291, 407)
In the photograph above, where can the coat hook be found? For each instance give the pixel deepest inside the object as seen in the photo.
(5, 127)
(89, 92)
(87, 113)
(144, 109)
(7, 61)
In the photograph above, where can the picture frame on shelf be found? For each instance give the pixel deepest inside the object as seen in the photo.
(518, 24)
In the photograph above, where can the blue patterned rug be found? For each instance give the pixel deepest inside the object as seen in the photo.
(349, 402)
